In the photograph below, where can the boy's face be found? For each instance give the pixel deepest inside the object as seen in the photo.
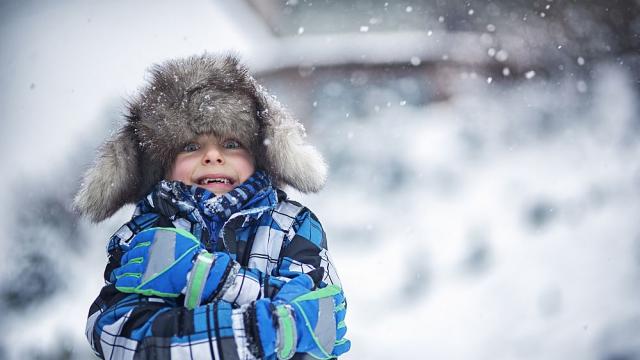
(212, 163)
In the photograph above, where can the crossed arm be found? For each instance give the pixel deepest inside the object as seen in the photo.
(239, 313)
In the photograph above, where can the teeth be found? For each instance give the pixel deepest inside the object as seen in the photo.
(216, 180)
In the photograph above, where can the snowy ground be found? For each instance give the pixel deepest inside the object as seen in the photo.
(499, 224)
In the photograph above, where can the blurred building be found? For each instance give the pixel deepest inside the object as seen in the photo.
(362, 55)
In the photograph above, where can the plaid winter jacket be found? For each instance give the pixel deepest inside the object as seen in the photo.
(271, 240)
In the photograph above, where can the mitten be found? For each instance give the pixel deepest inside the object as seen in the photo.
(300, 319)
(167, 262)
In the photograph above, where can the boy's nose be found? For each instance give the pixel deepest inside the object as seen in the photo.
(212, 155)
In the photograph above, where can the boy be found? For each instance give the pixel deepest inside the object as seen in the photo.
(216, 262)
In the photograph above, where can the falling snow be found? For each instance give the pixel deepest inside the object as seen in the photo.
(504, 184)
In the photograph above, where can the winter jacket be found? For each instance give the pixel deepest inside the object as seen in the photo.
(271, 238)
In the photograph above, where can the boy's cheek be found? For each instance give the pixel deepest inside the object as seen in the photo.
(245, 166)
(180, 172)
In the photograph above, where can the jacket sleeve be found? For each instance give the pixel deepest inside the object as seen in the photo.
(130, 326)
(303, 250)
(307, 250)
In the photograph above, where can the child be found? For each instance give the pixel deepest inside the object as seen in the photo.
(216, 262)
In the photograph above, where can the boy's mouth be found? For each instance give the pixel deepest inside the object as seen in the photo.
(214, 180)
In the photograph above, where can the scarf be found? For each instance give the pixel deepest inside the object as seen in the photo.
(205, 211)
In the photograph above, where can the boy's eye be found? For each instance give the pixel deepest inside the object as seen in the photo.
(231, 144)
(191, 147)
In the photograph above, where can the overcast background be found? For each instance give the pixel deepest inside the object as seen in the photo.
(483, 201)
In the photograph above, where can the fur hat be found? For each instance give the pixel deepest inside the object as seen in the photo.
(185, 98)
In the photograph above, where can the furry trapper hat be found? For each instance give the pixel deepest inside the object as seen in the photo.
(185, 98)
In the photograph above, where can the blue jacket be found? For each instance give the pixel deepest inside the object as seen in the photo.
(271, 239)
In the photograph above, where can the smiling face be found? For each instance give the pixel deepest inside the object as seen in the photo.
(213, 163)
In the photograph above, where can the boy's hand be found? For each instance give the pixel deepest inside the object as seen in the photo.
(166, 262)
(308, 321)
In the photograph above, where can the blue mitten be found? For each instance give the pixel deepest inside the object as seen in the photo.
(308, 321)
(166, 262)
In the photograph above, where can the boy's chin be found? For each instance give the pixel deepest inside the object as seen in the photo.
(217, 188)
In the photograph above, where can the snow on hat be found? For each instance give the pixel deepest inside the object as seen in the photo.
(185, 98)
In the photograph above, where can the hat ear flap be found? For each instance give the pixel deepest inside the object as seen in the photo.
(112, 180)
(291, 160)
